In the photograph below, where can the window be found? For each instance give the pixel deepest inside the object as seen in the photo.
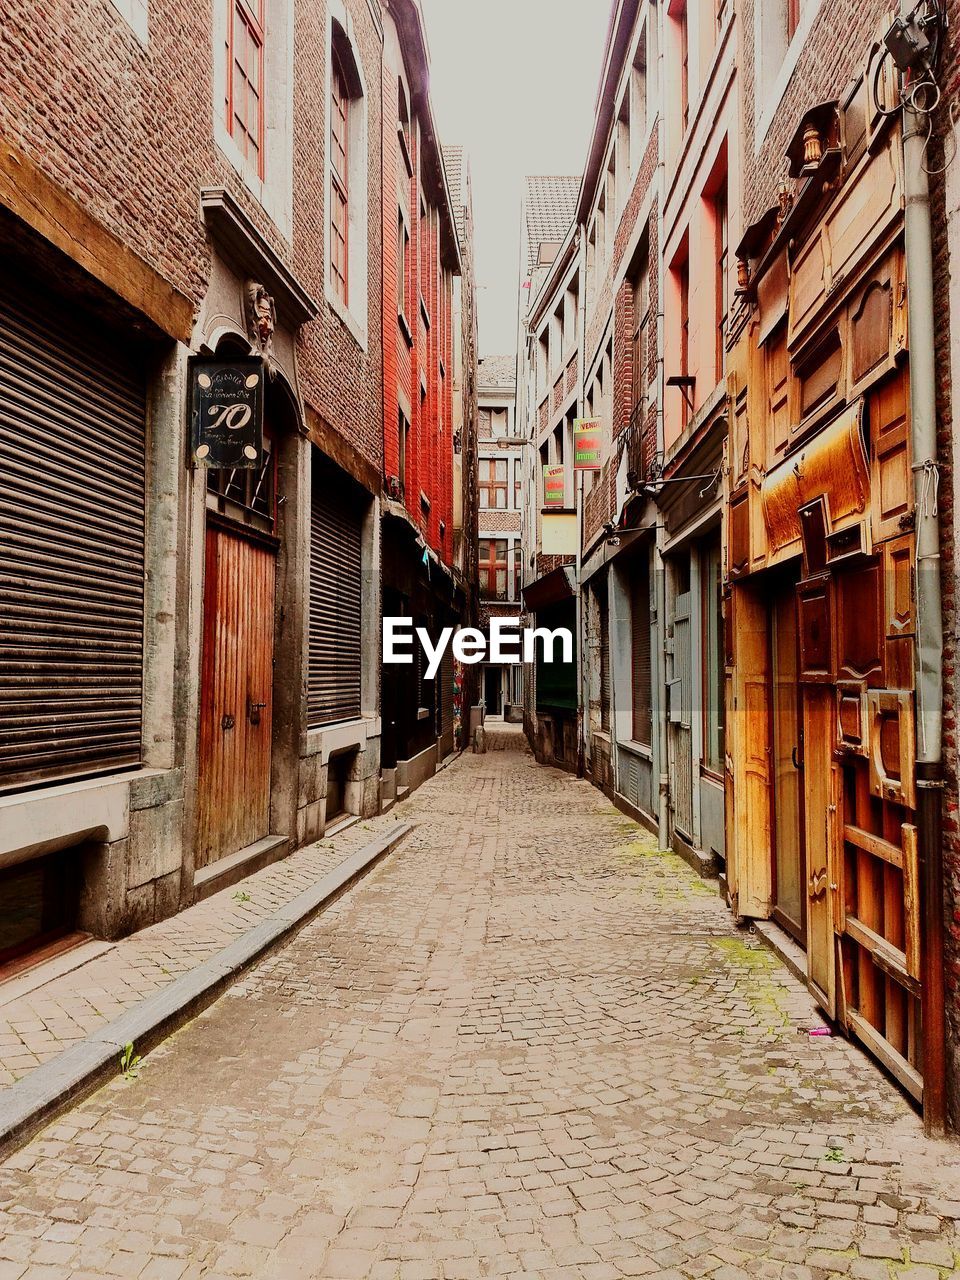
(713, 691)
(794, 8)
(641, 649)
(493, 484)
(684, 35)
(425, 256)
(493, 569)
(339, 185)
(403, 443)
(516, 552)
(721, 226)
(403, 245)
(641, 333)
(244, 81)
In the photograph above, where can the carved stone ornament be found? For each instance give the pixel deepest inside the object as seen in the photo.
(261, 317)
(784, 204)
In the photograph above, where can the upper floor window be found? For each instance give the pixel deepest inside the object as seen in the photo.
(493, 484)
(339, 182)
(493, 569)
(246, 38)
(347, 230)
(722, 232)
(641, 332)
(794, 8)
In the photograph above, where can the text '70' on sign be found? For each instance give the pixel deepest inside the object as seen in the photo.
(226, 412)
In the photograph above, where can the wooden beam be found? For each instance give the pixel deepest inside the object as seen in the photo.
(55, 215)
(875, 845)
(885, 956)
(343, 453)
(895, 1063)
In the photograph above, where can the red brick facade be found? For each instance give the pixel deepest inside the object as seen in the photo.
(130, 138)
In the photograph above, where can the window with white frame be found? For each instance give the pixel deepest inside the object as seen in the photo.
(346, 230)
(253, 98)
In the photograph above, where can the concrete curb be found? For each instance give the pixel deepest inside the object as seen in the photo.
(58, 1084)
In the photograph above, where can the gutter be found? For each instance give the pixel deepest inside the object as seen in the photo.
(929, 646)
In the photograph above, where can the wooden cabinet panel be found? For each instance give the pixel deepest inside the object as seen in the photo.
(860, 630)
(815, 622)
(892, 478)
(876, 324)
(899, 612)
(867, 207)
(749, 849)
(777, 377)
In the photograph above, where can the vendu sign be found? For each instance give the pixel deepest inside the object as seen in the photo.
(508, 643)
(587, 444)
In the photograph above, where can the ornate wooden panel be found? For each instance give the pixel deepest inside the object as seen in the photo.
(860, 629)
(820, 839)
(777, 370)
(899, 612)
(890, 460)
(815, 623)
(236, 695)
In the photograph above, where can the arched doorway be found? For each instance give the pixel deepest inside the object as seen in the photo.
(236, 705)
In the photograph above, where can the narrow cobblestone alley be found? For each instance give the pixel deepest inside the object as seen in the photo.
(528, 1044)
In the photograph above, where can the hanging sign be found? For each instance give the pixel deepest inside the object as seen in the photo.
(587, 444)
(554, 488)
(226, 412)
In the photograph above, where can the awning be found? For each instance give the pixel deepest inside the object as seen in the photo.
(552, 588)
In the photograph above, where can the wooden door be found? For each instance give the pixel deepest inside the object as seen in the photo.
(820, 787)
(236, 695)
(788, 877)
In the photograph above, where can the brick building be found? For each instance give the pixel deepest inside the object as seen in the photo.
(190, 670)
(755, 576)
(421, 260)
(501, 466)
(548, 402)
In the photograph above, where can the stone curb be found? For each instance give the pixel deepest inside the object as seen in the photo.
(58, 1084)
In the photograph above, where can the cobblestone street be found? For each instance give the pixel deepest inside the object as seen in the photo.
(528, 1044)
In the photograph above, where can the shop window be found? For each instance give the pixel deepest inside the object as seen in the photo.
(556, 682)
(603, 638)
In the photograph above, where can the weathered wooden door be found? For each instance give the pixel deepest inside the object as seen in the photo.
(789, 900)
(236, 694)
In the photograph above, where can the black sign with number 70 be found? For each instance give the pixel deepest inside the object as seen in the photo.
(226, 412)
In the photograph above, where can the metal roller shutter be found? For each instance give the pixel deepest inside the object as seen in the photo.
(72, 475)
(336, 517)
(641, 656)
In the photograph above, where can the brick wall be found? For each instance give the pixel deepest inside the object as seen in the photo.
(429, 459)
(947, 339)
(128, 132)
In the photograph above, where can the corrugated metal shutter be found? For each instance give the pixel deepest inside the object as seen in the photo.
(446, 689)
(72, 449)
(335, 608)
(641, 650)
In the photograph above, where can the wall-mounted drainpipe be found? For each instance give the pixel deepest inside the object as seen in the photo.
(929, 653)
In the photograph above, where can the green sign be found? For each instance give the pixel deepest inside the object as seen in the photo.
(587, 444)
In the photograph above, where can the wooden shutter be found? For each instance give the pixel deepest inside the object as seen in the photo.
(72, 442)
(641, 651)
(336, 516)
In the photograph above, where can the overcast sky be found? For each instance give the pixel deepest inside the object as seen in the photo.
(514, 82)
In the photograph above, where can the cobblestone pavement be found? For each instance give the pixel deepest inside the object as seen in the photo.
(527, 1045)
(37, 1022)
